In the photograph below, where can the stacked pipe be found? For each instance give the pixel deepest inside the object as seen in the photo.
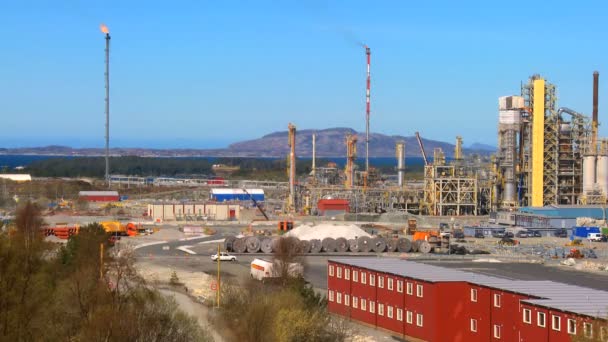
(364, 244)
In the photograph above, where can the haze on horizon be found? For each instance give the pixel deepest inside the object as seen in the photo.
(206, 74)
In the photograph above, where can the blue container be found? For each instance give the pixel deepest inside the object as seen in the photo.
(583, 232)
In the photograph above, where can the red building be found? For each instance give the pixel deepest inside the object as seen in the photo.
(432, 303)
(99, 196)
(328, 207)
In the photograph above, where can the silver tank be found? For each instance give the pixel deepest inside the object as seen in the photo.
(400, 154)
(602, 173)
(509, 195)
(588, 173)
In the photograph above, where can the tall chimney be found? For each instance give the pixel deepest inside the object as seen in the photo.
(594, 123)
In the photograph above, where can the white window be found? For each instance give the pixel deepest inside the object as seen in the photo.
(355, 302)
(541, 319)
(389, 284)
(389, 311)
(527, 316)
(571, 326)
(473, 295)
(473, 325)
(400, 286)
(409, 317)
(363, 304)
(339, 273)
(372, 279)
(355, 276)
(363, 278)
(556, 322)
(399, 314)
(410, 288)
(338, 298)
(496, 331)
(380, 309)
(331, 295)
(380, 282)
(588, 329)
(346, 299)
(419, 290)
(496, 300)
(331, 270)
(419, 319)
(372, 307)
(347, 274)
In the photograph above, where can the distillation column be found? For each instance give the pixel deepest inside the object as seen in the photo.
(400, 152)
(292, 167)
(509, 121)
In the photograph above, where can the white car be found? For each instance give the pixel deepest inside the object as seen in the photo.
(223, 257)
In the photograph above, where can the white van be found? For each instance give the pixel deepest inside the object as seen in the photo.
(594, 237)
(263, 269)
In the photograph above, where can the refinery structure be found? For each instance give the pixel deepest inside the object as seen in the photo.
(546, 155)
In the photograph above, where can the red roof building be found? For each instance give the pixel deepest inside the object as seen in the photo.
(99, 196)
(431, 303)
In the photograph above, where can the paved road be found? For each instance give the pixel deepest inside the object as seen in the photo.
(170, 248)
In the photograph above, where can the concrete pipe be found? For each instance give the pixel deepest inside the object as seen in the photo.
(329, 245)
(296, 243)
(341, 245)
(365, 244)
(266, 245)
(253, 244)
(274, 243)
(239, 245)
(305, 246)
(315, 246)
(424, 247)
(391, 245)
(378, 244)
(353, 245)
(228, 241)
(415, 245)
(404, 245)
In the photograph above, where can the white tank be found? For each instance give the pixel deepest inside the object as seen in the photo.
(602, 173)
(509, 194)
(588, 173)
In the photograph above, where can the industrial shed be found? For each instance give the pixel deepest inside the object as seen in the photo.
(19, 178)
(227, 195)
(194, 211)
(99, 196)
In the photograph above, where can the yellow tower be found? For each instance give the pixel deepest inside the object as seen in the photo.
(538, 142)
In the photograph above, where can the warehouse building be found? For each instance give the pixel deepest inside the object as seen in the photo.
(99, 196)
(194, 211)
(432, 303)
(228, 195)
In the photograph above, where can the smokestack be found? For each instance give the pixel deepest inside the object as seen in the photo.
(104, 29)
(367, 108)
(594, 123)
(292, 166)
(314, 154)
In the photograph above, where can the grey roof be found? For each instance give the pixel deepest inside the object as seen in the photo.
(550, 294)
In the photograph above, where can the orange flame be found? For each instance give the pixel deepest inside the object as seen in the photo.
(104, 28)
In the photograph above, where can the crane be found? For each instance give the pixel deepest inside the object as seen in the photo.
(421, 148)
(257, 204)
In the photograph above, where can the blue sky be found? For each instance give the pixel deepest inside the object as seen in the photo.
(207, 73)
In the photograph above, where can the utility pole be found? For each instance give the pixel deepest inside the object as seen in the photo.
(218, 275)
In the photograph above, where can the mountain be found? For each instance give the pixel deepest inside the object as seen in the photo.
(330, 143)
(482, 147)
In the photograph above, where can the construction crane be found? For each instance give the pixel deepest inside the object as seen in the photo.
(257, 204)
(421, 148)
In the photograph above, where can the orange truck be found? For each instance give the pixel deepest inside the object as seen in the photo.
(115, 227)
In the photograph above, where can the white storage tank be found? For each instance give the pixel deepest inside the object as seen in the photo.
(588, 173)
(602, 173)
